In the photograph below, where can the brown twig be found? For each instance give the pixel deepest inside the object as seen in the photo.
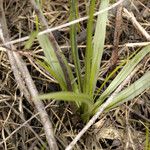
(20, 70)
(115, 56)
(5, 37)
(117, 33)
(136, 24)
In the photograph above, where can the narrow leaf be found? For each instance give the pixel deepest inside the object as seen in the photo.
(32, 37)
(50, 55)
(89, 48)
(73, 38)
(132, 91)
(52, 73)
(113, 72)
(99, 39)
(68, 96)
(54, 63)
(127, 69)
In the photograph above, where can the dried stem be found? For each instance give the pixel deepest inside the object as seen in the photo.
(117, 33)
(20, 71)
(136, 24)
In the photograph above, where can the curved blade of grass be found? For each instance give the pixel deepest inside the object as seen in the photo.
(127, 69)
(99, 39)
(73, 38)
(107, 78)
(132, 91)
(147, 142)
(32, 37)
(50, 55)
(54, 63)
(113, 72)
(53, 74)
(53, 54)
(68, 96)
(89, 48)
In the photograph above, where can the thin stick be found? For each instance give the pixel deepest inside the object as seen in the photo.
(101, 109)
(22, 125)
(5, 37)
(132, 18)
(65, 25)
(137, 44)
(38, 103)
(27, 53)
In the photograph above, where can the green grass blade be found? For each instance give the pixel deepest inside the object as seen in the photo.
(68, 96)
(89, 48)
(56, 59)
(147, 141)
(99, 39)
(127, 69)
(52, 73)
(113, 72)
(132, 91)
(54, 62)
(107, 79)
(32, 37)
(50, 55)
(73, 38)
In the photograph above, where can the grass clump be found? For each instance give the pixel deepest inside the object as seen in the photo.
(80, 87)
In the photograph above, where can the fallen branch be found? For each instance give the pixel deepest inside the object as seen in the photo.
(20, 71)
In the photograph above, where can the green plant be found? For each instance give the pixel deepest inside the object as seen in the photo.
(147, 142)
(83, 85)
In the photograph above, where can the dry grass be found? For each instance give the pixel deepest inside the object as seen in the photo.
(122, 128)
